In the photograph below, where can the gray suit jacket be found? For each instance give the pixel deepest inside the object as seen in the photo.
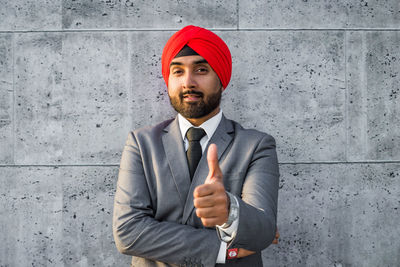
(154, 218)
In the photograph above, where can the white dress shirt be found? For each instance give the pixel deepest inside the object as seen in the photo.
(226, 233)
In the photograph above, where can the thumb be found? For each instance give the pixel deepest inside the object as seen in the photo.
(214, 173)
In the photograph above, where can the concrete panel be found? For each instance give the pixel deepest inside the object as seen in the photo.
(95, 103)
(30, 15)
(31, 216)
(373, 66)
(39, 97)
(319, 14)
(148, 14)
(6, 100)
(149, 101)
(337, 215)
(373, 14)
(71, 97)
(291, 85)
(6, 142)
(58, 217)
(88, 196)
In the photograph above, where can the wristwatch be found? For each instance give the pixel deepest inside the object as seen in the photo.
(232, 253)
(233, 210)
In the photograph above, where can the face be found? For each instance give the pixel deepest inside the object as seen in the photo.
(194, 88)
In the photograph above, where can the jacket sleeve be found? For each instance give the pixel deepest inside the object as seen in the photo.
(136, 231)
(258, 202)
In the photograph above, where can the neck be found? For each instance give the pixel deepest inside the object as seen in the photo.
(199, 121)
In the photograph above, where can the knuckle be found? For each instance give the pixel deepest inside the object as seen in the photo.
(222, 211)
(198, 213)
(207, 222)
(195, 192)
(221, 199)
(220, 187)
(199, 192)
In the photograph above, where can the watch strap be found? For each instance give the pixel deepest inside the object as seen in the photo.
(233, 210)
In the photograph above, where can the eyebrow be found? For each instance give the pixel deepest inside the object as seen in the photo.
(201, 61)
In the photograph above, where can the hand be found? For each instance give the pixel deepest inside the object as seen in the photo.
(242, 252)
(210, 199)
(276, 236)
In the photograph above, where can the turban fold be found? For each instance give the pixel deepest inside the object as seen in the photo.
(207, 44)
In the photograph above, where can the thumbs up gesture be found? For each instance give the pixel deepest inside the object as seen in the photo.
(210, 198)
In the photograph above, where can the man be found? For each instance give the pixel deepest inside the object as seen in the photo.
(197, 190)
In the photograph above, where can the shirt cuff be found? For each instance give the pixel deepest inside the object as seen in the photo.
(229, 233)
(222, 253)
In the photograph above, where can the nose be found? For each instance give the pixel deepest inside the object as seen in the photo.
(188, 80)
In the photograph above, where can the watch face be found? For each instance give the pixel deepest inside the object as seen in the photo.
(232, 254)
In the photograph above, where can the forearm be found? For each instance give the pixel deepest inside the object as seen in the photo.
(140, 232)
(258, 200)
(168, 242)
(256, 229)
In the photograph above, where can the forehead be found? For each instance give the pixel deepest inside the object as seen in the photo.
(188, 60)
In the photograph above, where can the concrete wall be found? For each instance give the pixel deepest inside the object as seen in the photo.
(321, 76)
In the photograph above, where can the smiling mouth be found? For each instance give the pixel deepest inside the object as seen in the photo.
(191, 96)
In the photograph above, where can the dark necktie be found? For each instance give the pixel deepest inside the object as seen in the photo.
(194, 152)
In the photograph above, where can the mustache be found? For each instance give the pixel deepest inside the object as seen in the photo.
(190, 92)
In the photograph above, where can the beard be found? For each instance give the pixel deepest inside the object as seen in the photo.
(205, 106)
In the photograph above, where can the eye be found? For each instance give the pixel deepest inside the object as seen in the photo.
(202, 70)
(176, 71)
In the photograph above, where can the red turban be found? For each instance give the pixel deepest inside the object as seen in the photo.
(207, 44)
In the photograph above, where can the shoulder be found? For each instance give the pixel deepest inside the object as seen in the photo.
(153, 129)
(251, 135)
(149, 132)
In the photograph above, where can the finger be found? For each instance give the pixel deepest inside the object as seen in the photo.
(244, 253)
(210, 212)
(204, 202)
(213, 164)
(275, 241)
(209, 189)
(211, 216)
(212, 159)
(211, 200)
(210, 222)
(203, 190)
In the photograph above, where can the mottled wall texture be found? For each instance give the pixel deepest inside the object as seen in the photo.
(323, 77)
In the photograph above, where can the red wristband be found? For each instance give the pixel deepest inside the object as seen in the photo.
(232, 253)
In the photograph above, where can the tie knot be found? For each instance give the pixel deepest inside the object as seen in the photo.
(195, 134)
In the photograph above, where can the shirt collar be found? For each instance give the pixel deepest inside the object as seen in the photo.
(209, 125)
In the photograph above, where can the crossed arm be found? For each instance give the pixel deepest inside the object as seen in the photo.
(138, 233)
(136, 230)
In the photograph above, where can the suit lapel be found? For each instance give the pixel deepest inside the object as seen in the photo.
(175, 153)
(222, 139)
